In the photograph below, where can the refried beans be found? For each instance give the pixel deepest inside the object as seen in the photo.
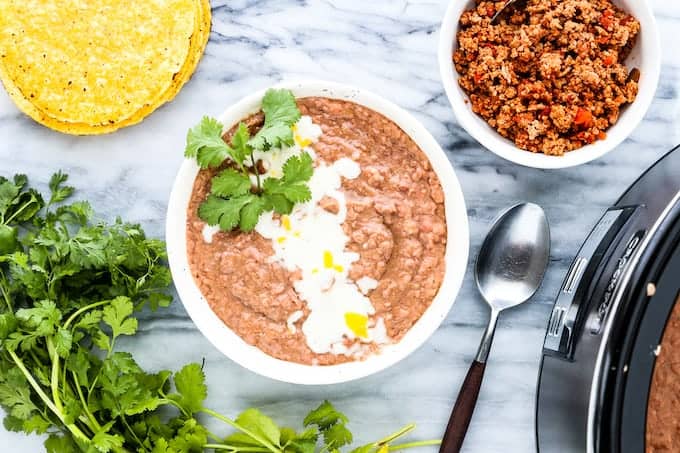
(663, 412)
(395, 222)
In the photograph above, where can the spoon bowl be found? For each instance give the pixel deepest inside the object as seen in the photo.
(513, 257)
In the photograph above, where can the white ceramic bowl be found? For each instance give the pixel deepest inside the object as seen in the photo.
(646, 55)
(253, 358)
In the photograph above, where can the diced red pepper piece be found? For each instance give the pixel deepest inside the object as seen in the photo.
(546, 111)
(607, 19)
(602, 135)
(477, 76)
(608, 60)
(583, 117)
(490, 10)
(603, 40)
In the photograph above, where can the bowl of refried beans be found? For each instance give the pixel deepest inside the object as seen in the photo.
(550, 83)
(348, 282)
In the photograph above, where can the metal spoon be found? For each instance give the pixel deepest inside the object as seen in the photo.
(504, 8)
(509, 270)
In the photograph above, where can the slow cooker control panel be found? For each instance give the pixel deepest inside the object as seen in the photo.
(606, 302)
(571, 302)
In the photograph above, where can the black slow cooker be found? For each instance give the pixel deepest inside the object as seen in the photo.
(608, 320)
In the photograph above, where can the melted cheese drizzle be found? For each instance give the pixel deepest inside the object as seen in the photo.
(311, 240)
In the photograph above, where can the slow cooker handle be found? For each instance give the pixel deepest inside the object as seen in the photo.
(463, 409)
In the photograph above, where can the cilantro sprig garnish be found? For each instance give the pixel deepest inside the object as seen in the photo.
(239, 195)
(70, 288)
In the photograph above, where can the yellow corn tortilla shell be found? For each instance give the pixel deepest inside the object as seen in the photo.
(122, 82)
(198, 43)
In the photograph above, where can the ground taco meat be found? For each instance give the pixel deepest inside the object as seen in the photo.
(395, 222)
(663, 413)
(549, 75)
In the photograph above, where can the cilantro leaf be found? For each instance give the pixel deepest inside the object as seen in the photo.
(190, 383)
(191, 437)
(297, 193)
(19, 400)
(223, 212)
(8, 193)
(250, 213)
(101, 340)
(325, 416)
(13, 424)
(205, 143)
(230, 183)
(117, 316)
(105, 442)
(336, 436)
(279, 203)
(42, 319)
(261, 426)
(298, 168)
(88, 247)
(279, 106)
(272, 136)
(293, 185)
(280, 113)
(63, 341)
(60, 192)
(8, 323)
(240, 149)
(60, 444)
(304, 442)
(9, 239)
(79, 364)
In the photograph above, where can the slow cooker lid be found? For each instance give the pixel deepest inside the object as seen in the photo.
(641, 327)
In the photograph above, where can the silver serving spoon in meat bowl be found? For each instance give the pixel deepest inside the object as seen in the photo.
(506, 7)
(509, 269)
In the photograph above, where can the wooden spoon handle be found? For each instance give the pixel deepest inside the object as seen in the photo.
(463, 410)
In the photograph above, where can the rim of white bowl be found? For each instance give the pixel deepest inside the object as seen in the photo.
(648, 44)
(252, 358)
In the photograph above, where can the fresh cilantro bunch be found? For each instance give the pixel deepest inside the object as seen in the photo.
(69, 289)
(236, 200)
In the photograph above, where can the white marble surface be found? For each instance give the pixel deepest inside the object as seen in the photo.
(388, 46)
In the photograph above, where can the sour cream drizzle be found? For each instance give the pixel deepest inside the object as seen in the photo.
(311, 240)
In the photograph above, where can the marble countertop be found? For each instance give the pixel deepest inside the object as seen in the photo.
(388, 46)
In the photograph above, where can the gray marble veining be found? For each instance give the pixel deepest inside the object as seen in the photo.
(388, 46)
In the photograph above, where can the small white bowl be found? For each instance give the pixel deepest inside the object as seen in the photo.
(646, 55)
(253, 358)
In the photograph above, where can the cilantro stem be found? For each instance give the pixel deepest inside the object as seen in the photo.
(422, 443)
(174, 403)
(77, 433)
(17, 212)
(402, 432)
(214, 436)
(86, 407)
(238, 427)
(235, 449)
(5, 295)
(134, 435)
(257, 173)
(83, 310)
(54, 380)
